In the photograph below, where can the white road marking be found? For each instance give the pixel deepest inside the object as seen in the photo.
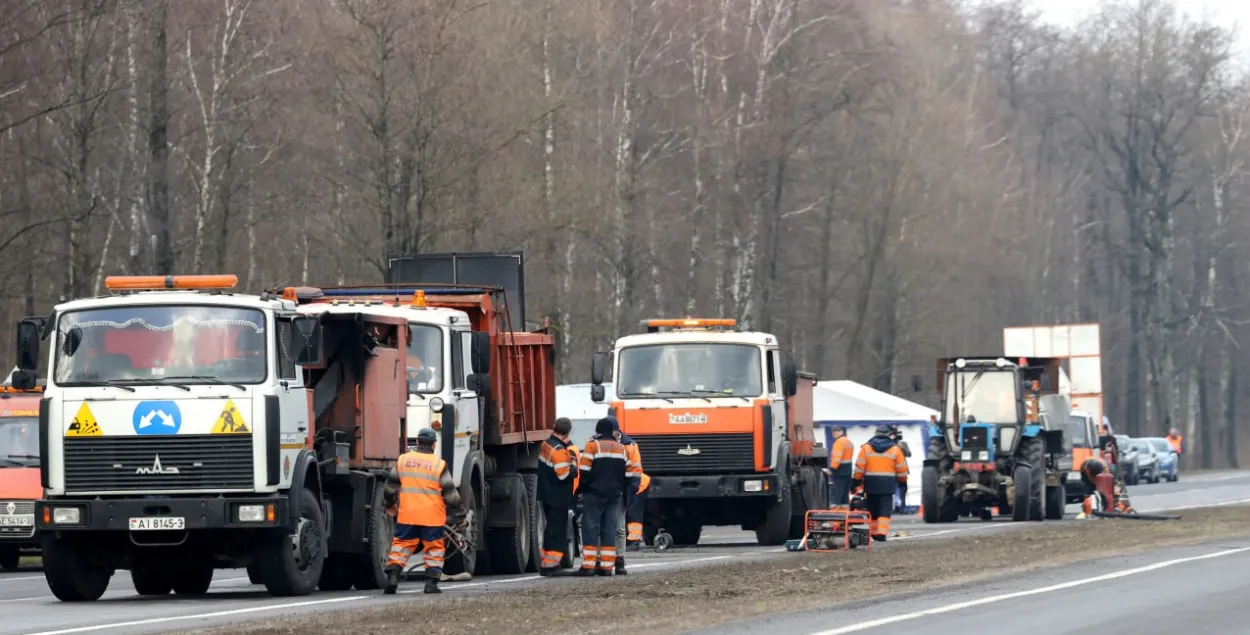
(951, 608)
(1223, 504)
(202, 616)
(20, 577)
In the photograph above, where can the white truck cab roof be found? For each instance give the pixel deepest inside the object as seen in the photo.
(692, 336)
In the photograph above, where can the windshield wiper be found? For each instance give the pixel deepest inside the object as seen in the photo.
(719, 393)
(646, 394)
(157, 381)
(211, 380)
(98, 383)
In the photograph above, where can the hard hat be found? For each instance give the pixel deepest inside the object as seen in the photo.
(427, 436)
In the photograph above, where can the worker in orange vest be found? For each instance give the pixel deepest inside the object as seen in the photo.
(1099, 482)
(1176, 441)
(841, 461)
(555, 493)
(422, 485)
(880, 467)
(602, 488)
(630, 532)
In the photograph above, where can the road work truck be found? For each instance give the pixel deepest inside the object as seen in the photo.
(723, 424)
(998, 441)
(19, 473)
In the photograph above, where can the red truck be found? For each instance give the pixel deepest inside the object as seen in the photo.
(19, 474)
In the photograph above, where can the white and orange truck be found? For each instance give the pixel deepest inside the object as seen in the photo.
(724, 426)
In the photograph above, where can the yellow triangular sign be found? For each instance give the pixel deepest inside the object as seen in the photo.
(230, 421)
(84, 424)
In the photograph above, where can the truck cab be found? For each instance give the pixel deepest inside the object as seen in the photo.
(713, 412)
(19, 473)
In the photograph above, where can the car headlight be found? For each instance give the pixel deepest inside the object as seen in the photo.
(436, 404)
(66, 516)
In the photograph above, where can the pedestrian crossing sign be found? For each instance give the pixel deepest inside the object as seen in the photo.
(230, 421)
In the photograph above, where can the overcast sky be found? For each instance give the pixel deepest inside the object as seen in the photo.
(1226, 12)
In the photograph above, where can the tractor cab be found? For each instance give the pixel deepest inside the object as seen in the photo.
(989, 404)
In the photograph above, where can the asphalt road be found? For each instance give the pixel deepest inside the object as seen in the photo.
(28, 608)
(1183, 590)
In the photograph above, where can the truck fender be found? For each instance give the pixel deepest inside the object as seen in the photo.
(783, 465)
(472, 464)
(305, 464)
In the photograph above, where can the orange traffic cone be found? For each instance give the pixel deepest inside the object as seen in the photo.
(920, 512)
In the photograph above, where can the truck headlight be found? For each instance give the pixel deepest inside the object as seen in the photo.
(752, 486)
(251, 513)
(966, 455)
(66, 516)
(983, 455)
(436, 404)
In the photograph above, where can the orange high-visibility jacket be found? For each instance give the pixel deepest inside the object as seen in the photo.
(879, 471)
(420, 493)
(841, 459)
(1175, 442)
(574, 455)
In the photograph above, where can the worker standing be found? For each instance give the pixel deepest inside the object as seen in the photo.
(1176, 441)
(841, 462)
(555, 494)
(630, 531)
(602, 487)
(422, 485)
(896, 434)
(879, 467)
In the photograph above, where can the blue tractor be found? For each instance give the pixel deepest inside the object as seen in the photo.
(998, 442)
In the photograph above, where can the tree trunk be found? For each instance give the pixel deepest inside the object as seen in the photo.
(158, 141)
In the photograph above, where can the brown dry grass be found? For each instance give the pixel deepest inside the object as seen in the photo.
(704, 596)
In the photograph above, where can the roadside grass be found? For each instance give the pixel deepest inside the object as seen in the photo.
(701, 596)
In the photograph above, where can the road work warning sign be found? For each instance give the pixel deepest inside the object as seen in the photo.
(230, 421)
(84, 424)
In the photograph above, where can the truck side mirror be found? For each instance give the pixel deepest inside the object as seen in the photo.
(917, 383)
(479, 383)
(479, 352)
(597, 393)
(304, 346)
(790, 378)
(28, 343)
(598, 368)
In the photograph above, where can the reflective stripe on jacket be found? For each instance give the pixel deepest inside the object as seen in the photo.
(602, 464)
(420, 493)
(842, 458)
(880, 469)
(555, 468)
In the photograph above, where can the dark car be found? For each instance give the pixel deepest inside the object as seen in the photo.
(1129, 470)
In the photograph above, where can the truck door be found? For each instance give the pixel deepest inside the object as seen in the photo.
(293, 403)
(467, 402)
(777, 399)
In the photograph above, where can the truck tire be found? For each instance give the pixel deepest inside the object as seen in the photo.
(1023, 489)
(813, 494)
(1033, 452)
(1055, 502)
(570, 551)
(462, 561)
(540, 522)
(510, 546)
(9, 558)
(368, 570)
(69, 577)
(193, 579)
(930, 497)
(150, 580)
(292, 564)
(776, 526)
(254, 574)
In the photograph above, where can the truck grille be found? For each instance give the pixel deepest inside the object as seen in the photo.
(662, 454)
(187, 462)
(20, 508)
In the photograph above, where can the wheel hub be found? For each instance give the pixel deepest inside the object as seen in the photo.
(306, 542)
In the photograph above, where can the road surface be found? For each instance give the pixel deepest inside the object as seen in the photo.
(28, 608)
(1183, 590)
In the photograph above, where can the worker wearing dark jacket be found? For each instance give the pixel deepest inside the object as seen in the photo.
(630, 529)
(880, 466)
(603, 483)
(422, 485)
(841, 464)
(896, 434)
(555, 494)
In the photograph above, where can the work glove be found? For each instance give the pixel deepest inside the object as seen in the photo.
(458, 516)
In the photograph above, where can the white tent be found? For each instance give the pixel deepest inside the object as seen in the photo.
(861, 409)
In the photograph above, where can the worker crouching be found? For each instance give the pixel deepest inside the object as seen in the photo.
(555, 492)
(1099, 486)
(880, 467)
(602, 485)
(422, 485)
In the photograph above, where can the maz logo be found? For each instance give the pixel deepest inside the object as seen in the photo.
(685, 419)
(689, 451)
(157, 468)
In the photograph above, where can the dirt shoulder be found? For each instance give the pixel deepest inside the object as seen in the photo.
(674, 601)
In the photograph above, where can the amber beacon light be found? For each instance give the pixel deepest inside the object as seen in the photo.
(690, 323)
(147, 283)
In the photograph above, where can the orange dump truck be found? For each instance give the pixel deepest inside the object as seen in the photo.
(19, 474)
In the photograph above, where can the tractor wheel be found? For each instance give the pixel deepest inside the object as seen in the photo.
(1055, 502)
(1032, 452)
(1023, 490)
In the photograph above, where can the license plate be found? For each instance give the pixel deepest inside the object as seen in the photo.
(157, 523)
(20, 520)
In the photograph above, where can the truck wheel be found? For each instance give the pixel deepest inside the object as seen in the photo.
(368, 570)
(70, 578)
(1055, 502)
(509, 547)
(1033, 452)
(194, 579)
(150, 580)
(9, 558)
(292, 563)
(930, 497)
(776, 525)
(254, 574)
(1023, 489)
(465, 561)
(570, 551)
(540, 522)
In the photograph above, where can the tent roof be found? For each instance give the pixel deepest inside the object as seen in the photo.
(848, 401)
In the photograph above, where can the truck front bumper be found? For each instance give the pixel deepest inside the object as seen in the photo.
(197, 513)
(733, 485)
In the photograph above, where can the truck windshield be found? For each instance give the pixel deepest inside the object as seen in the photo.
(19, 442)
(184, 344)
(699, 369)
(425, 359)
(1076, 431)
(984, 395)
